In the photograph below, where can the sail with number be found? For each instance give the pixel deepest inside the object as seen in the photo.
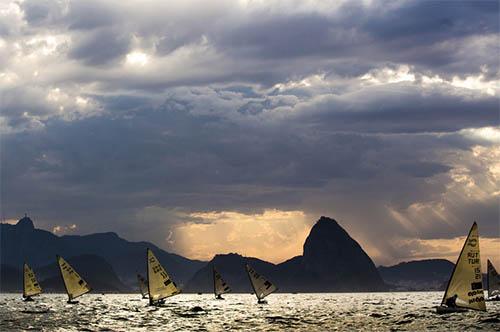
(261, 286)
(466, 281)
(220, 286)
(492, 281)
(143, 286)
(31, 287)
(160, 285)
(75, 285)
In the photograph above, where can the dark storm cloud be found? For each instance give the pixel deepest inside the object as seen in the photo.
(411, 32)
(367, 113)
(423, 169)
(173, 156)
(402, 108)
(100, 46)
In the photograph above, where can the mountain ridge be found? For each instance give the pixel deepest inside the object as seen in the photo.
(331, 261)
(23, 242)
(314, 271)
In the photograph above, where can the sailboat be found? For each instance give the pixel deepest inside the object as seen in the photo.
(75, 285)
(465, 287)
(160, 286)
(143, 286)
(261, 286)
(493, 283)
(31, 287)
(220, 286)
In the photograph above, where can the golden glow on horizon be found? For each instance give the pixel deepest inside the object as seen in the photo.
(273, 235)
(450, 249)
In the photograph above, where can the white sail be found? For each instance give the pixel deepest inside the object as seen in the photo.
(261, 286)
(75, 285)
(466, 281)
(220, 286)
(493, 281)
(31, 287)
(160, 285)
(143, 286)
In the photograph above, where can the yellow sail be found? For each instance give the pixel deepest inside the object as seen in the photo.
(261, 286)
(160, 285)
(493, 279)
(467, 280)
(143, 286)
(75, 285)
(220, 286)
(31, 287)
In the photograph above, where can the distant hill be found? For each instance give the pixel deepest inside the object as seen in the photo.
(429, 274)
(94, 269)
(332, 261)
(98, 273)
(23, 242)
(232, 268)
(10, 279)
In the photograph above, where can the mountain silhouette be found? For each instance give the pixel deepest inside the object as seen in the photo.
(232, 268)
(94, 269)
(332, 261)
(23, 242)
(98, 273)
(11, 279)
(428, 274)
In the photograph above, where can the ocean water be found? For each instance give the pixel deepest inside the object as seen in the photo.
(298, 312)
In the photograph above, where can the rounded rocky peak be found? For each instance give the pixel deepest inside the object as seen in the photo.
(326, 220)
(26, 223)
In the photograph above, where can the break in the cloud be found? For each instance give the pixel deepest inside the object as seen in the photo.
(205, 126)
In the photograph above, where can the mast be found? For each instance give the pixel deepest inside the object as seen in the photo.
(213, 275)
(251, 281)
(24, 279)
(147, 275)
(488, 276)
(62, 277)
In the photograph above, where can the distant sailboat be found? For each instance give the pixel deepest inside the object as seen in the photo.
(31, 287)
(220, 286)
(465, 287)
(493, 283)
(160, 286)
(74, 284)
(143, 286)
(261, 286)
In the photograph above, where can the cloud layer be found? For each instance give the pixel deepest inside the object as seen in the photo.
(141, 117)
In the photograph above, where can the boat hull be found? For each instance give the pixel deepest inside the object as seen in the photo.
(493, 299)
(449, 310)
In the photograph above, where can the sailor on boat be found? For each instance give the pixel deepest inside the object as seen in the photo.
(160, 286)
(261, 286)
(451, 302)
(31, 287)
(492, 283)
(75, 285)
(220, 286)
(465, 287)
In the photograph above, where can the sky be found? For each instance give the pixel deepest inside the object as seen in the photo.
(231, 126)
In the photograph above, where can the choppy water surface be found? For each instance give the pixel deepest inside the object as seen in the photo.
(356, 311)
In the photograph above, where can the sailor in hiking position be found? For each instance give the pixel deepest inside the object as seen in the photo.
(451, 302)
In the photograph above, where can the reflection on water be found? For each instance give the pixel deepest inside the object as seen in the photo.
(347, 311)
